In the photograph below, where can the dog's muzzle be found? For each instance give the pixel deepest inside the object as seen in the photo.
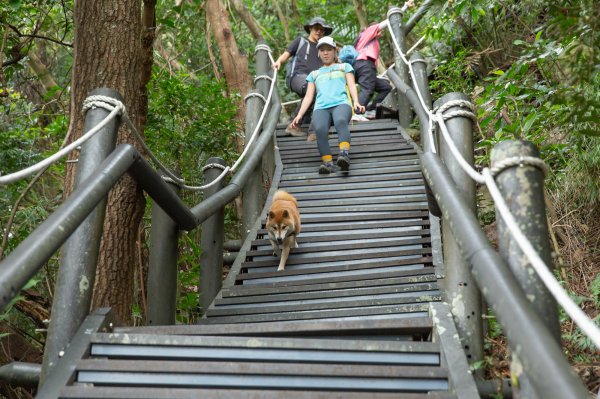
(279, 240)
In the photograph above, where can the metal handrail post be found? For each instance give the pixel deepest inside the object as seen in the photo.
(211, 258)
(421, 84)
(461, 291)
(417, 15)
(162, 267)
(264, 68)
(251, 192)
(522, 187)
(405, 115)
(77, 271)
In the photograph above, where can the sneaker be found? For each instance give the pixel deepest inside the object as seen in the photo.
(359, 118)
(312, 136)
(343, 161)
(370, 114)
(326, 168)
(294, 131)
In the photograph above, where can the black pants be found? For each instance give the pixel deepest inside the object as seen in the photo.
(366, 77)
(298, 84)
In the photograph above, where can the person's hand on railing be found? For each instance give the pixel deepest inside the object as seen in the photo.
(277, 65)
(408, 4)
(297, 121)
(359, 109)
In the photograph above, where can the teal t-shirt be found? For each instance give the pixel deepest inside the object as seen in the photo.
(331, 85)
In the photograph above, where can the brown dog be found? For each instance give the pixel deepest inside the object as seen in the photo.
(283, 225)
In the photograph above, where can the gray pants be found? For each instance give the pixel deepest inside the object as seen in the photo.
(298, 84)
(322, 119)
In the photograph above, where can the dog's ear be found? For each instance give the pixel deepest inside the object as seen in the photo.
(286, 214)
(271, 215)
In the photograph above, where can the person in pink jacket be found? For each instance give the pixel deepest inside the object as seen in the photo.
(367, 45)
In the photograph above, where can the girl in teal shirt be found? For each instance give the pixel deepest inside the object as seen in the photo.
(332, 105)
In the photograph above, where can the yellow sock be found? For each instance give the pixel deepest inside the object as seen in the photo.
(327, 158)
(344, 146)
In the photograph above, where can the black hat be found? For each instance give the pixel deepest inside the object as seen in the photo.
(318, 21)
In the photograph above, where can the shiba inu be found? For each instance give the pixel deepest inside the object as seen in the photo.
(283, 225)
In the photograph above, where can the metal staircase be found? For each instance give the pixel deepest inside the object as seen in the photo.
(355, 314)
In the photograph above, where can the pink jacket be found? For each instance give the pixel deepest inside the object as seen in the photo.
(372, 50)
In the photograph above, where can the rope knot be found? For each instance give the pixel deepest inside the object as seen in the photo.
(521, 160)
(108, 103)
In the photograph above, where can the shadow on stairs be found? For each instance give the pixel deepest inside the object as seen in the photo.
(355, 314)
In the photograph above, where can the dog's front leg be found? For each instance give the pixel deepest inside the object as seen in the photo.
(284, 256)
(276, 249)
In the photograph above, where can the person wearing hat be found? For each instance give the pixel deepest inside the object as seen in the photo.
(304, 51)
(333, 85)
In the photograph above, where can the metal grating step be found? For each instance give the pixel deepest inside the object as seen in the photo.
(192, 393)
(129, 360)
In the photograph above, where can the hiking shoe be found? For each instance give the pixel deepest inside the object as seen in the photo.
(312, 136)
(370, 114)
(326, 168)
(343, 161)
(359, 118)
(294, 131)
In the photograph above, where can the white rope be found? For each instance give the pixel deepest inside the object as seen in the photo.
(213, 165)
(116, 107)
(255, 94)
(520, 160)
(456, 153)
(258, 124)
(16, 176)
(562, 297)
(259, 77)
(267, 101)
(543, 271)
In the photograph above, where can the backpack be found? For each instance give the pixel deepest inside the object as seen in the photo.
(291, 65)
(348, 54)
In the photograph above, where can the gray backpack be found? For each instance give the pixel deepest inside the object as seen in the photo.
(291, 65)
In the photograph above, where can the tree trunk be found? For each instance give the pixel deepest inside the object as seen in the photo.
(252, 24)
(284, 21)
(364, 23)
(108, 53)
(361, 14)
(235, 64)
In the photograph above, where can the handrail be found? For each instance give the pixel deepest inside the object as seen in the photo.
(29, 256)
(528, 336)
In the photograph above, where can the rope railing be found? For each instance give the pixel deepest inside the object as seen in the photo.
(19, 175)
(117, 108)
(589, 328)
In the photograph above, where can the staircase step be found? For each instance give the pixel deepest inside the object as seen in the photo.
(191, 393)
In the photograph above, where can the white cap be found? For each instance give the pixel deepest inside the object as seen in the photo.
(328, 40)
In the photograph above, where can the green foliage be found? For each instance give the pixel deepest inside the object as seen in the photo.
(188, 294)
(579, 182)
(575, 339)
(184, 127)
(453, 74)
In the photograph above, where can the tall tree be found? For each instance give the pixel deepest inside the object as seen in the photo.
(252, 24)
(108, 53)
(235, 64)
